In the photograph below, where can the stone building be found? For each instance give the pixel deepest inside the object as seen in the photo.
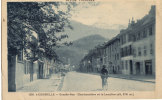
(113, 55)
(137, 45)
(132, 51)
(126, 49)
(144, 45)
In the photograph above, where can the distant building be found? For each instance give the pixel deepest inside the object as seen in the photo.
(113, 55)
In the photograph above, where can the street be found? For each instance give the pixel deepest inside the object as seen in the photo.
(74, 81)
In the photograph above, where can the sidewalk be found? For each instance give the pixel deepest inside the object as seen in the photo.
(44, 85)
(143, 78)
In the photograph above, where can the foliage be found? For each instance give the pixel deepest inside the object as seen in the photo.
(24, 18)
(46, 19)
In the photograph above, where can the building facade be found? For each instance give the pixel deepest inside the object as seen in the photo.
(113, 55)
(144, 45)
(131, 52)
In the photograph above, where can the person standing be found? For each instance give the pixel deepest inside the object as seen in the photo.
(104, 76)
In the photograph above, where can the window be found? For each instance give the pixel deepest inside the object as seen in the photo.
(145, 50)
(129, 37)
(121, 40)
(124, 39)
(126, 65)
(125, 51)
(130, 48)
(141, 33)
(134, 37)
(122, 64)
(151, 49)
(134, 52)
(139, 36)
(139, 51)
(20, 55)
(150, 30)
(118, 56)
(144, 33)
(121, 52)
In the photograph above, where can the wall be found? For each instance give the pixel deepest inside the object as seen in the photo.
(141, 43)
(19, 74)
(23, 78)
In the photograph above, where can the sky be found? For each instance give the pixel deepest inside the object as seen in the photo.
(106, 15)
(110, 14)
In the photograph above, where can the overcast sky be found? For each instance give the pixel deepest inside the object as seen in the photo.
(111, 13)
(107, 15)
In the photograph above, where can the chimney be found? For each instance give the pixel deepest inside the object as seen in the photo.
(152, 10)
(132, 22)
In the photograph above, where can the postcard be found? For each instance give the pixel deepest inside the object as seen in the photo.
(81, 49)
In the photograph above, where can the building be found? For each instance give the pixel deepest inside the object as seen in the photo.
(93, 61)
(144, 45)
(126, 49)
(137, 46)
(131, 52)
(113, 55)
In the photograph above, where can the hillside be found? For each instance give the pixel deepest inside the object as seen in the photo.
(80, 30)
(73, 54)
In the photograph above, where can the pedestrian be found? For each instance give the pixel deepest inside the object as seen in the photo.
(104, 76)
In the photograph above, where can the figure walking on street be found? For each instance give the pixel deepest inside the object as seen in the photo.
(104, 76)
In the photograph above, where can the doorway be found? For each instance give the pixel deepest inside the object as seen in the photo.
(148, 67)
(137, 68)
(131, 67)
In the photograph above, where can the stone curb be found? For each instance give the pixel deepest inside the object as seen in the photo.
(133, 79)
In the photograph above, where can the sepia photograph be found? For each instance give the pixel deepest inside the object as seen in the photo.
(81, 46)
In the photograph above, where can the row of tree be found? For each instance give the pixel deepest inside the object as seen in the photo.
(45, 19)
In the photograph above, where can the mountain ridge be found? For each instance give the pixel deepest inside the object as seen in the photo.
(81, 30)
(79, 48)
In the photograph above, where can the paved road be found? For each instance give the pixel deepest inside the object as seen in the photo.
(74, 81)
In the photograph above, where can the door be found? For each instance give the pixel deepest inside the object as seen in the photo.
(131, 67)
(137, 67)
(148, 67)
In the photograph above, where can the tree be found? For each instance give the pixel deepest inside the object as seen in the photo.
(43, 18)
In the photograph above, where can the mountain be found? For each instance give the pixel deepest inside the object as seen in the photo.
(84, 38)
(74, 53)
(110, 27)
(81, 30)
